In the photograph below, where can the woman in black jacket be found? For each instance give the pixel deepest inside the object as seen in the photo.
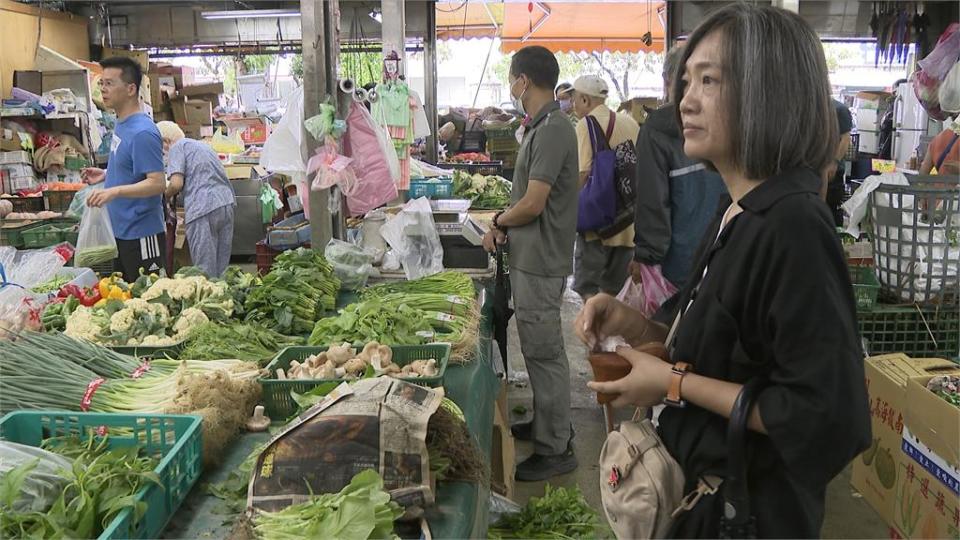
(770, 296)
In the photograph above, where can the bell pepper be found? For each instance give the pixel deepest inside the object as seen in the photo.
(89, 297)
(114, 288)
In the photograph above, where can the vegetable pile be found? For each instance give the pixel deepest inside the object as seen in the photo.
(99, 483)
(56, 372)
(249, 342)
(360, 510)
(52, 285)
(90, 256)
(484, 192)
(166, 313)
(297, 292)
(562, 513)
(373, 321)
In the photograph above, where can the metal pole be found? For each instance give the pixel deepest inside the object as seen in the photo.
(430, 82)
(315, 83)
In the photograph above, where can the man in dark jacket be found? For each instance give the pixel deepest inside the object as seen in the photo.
(676, 196)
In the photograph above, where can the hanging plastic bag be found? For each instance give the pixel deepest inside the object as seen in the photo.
(950, 90)
(376, 183)
(223, 144)
(330, 166)
(79, 203)
(282, 151)
(413, 235)
(351, 263)
(632, 294)
(95, 243)
(656, 289)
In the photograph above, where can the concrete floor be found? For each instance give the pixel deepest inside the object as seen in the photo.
(847, 515)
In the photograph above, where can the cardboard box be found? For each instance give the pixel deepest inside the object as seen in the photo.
(214, 89)
(182, 75)
(869, 142)
(875, 472)
(160, 116)
(252, 130)
(928, 499)
(189, 112)
(867, 120)
(196, 131)
(31, 81)
(934, 421)
(502, 451)
(239, 172)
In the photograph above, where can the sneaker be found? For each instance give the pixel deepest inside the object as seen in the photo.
(522, 431)
(538, 467)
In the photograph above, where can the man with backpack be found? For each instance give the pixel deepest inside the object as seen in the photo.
(603, 255)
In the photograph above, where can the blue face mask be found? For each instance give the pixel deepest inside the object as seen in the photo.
(518, 100)
(566, 106)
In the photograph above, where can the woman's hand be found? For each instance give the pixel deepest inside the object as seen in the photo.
(645, 386)
(603, 316)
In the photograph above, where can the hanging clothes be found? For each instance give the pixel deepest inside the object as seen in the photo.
(393, 109)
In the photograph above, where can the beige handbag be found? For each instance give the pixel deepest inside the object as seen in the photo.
(640, 482)
(641, 485)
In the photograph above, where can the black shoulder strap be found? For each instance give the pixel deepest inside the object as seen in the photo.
(597, 140)
(946, 151)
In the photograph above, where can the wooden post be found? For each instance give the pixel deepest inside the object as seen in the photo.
(316, 80)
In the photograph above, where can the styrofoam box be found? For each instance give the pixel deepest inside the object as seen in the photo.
(18, 169)
(17, 183)
(19, 156)
(867, 119)
(869, 142)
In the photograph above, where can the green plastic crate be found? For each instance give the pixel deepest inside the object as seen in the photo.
(41, 237)
(919, 332)
(11, 232)
(279, 404)
(144, 351)
(866, 286)
(174, 439)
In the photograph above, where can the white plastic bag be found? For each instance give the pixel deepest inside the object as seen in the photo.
(79, 202)
(632, 294)
(282, 151)
(42, 484)
(351, 263)
(950, 90)
(414, 237)
(95, 243)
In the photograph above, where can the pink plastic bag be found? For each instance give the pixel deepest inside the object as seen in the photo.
(656, 289)
(331, 167)
(374, 185)
(632, 294)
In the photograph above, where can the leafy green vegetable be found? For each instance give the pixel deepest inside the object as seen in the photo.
(484, 192)
(361, 510)
(373, 321)
(562, 513)
(449, 283)
(298, 291)
(101, 483)
(250, 342)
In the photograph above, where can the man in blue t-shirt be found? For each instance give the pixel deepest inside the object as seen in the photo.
(134, 176)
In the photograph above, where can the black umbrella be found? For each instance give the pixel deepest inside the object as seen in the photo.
(501, 309)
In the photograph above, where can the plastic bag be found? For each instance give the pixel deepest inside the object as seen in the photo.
(351, 263)
(79, 203)
(95, 243)
(656, 289)
(374, 158)
(223, 144)
(331, 167)
(950, 90)
(282, 151)
(413, 235)
(632, 294)
(42, 485)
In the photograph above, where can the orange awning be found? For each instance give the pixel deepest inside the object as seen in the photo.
(466, 20)
(583, 26)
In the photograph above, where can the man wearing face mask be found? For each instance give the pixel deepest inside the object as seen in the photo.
(541, 226)
(564, 94)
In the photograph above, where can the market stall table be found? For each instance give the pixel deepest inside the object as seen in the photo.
(461, 509)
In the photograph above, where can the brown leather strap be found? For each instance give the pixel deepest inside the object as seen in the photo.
(674, 398)
(613, 119)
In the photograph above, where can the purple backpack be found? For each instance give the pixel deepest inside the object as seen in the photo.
(597, 207)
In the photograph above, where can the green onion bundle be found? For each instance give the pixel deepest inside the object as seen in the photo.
(57, 348)
(448, 283)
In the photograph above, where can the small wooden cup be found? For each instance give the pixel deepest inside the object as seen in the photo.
(610, 366)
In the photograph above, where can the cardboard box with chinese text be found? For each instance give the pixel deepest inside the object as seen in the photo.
(927, 502)
(875, 472)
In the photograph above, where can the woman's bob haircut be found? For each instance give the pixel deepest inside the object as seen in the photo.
(776, 90)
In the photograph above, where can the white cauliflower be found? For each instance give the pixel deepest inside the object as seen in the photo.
(81, 324)
(157, 341)
(189, 319)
